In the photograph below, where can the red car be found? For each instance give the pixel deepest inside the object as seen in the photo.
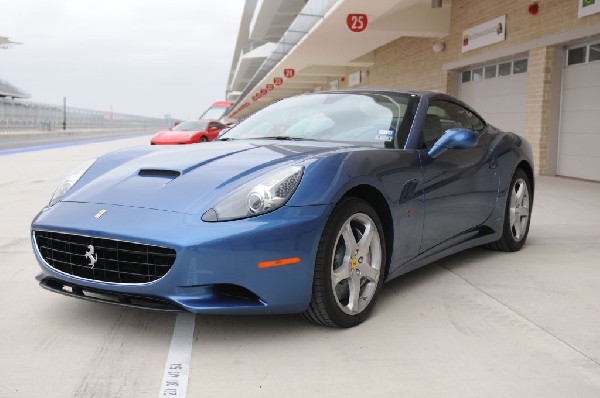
(189, 133)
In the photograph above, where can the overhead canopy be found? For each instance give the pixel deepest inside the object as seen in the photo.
(330, 46)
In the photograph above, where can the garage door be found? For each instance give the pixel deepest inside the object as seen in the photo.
(579, 138)
(498, 92)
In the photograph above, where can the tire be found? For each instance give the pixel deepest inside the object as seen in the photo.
(203, 139)
(517, 215)
(358, 269)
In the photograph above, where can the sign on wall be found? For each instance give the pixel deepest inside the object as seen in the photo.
(487, 33)
(588, 7)
(357, 22)
(354, 79)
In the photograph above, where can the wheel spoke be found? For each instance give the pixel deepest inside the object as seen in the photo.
(517, 228)
(339, 275)
(351, 245)
(354, 299)
(519, 192)
(366, 271)
(365, 241)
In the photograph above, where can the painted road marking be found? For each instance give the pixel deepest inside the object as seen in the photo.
(177, 368)
(68, 144)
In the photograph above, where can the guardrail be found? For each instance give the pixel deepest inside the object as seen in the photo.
(22, 115)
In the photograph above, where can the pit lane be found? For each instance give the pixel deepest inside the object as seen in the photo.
(479, 323)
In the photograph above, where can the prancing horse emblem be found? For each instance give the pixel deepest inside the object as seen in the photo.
(89, 254)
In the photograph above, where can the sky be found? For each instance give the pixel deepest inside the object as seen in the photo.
(143, 57)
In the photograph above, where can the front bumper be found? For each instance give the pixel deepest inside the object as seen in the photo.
(215, 270)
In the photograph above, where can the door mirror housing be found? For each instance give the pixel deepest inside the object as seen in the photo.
(457, 138)
(213, 128)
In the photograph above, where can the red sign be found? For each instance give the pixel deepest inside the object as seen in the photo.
(263, 92)
(278, 81)
(270, 87)
(356, 22)
(289, 73)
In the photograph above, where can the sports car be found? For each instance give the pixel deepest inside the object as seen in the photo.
(307, 206)
(189, 133)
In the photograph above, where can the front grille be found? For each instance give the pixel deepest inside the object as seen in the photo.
(105, 260)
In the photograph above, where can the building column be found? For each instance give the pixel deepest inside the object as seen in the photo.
(543, 106)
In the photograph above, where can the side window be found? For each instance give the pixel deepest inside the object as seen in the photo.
(441, 116)
(477, 125)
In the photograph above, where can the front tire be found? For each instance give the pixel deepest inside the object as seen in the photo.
(203, 139)
(350, 265)
(517, 215)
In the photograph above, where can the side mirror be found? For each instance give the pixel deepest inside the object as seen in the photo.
(454, 139)
(213, 128)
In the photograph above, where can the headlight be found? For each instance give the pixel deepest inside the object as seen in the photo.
(69, 181)
(273, 191)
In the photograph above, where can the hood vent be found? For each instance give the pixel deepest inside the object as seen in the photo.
(159, 173)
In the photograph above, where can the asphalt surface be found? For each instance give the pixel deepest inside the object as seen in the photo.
(10, 143)
(476, 324)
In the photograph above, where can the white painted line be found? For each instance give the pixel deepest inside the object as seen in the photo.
(177, 368)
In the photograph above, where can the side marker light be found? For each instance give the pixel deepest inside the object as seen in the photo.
(278, 263)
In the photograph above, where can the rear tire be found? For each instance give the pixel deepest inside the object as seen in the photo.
(203, 139)
(350, 265)
(517, 214)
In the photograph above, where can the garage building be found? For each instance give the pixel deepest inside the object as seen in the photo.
(528, 67)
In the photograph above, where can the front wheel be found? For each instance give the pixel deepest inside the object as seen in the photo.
(349, 268)
(203, 139)
(517, 214)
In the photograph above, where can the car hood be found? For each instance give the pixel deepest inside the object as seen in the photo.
(186, 179)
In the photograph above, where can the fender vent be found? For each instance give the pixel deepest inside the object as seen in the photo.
(408, 192)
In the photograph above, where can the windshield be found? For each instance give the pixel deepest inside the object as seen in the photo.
(214, 113)
(191, 126)
(366, 118)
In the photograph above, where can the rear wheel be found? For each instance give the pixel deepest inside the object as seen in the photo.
(349, 268)
(203, 139)
(517, 214)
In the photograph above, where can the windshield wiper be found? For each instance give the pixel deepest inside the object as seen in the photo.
(225, 139)
(281, 138)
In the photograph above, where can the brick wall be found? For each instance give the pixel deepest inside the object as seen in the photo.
(410, 63)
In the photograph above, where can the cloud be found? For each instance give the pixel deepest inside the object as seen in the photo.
(146, 57)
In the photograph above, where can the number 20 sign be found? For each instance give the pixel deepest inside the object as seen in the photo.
(356, 22)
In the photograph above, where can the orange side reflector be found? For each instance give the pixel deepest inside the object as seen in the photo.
(279, 263)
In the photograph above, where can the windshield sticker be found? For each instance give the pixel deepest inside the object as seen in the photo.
(385, 135)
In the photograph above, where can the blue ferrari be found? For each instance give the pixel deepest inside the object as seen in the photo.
(307, 206)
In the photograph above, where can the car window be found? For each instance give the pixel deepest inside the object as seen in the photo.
(441, 116)
(477, 125)
(370, 118)
(190, 126)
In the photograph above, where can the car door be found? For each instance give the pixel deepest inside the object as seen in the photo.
(213, 130)
(460, 185)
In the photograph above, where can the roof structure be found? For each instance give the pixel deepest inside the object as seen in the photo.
(318, 46)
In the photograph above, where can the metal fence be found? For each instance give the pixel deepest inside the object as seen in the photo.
(21, 115)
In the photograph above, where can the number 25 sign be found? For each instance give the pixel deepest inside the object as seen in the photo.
(356, 22)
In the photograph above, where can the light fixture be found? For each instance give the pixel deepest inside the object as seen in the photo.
(438, 46)
(534, 8)
(436, 3)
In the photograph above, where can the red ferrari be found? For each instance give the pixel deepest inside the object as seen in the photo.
(189, 133)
